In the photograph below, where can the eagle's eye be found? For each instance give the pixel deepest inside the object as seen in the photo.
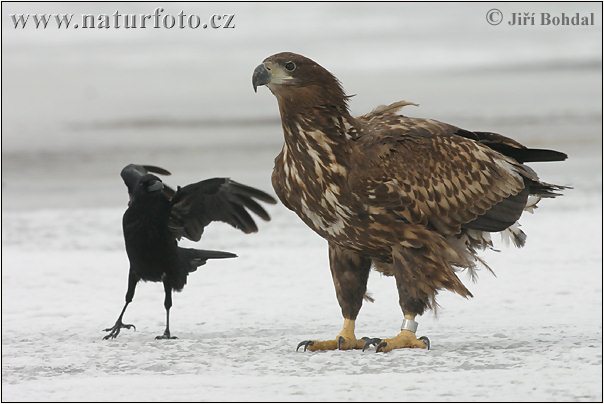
(290, 66)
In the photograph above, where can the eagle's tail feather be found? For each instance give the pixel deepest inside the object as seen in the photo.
(545, 190)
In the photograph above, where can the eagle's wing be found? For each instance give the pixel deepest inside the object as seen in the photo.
(504, 145)
(512, 148)
(428, 175)
(218, 199)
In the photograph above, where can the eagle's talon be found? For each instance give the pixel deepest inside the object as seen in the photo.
(341, 340)
(370, 341)
(426, 341)
(380, 347)
(306, 344)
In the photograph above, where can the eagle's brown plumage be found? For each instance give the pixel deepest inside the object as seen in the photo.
(414, 197)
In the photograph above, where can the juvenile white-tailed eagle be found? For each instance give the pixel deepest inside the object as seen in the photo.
(415, 198)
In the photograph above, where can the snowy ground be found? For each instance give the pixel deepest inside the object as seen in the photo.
(532, 333)
(78, 106)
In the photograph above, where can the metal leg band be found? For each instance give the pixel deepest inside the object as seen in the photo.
(409, 325)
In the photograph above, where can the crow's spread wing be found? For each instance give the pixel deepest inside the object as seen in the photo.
(216, 199)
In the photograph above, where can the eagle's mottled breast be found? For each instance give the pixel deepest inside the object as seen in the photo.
(310, 177)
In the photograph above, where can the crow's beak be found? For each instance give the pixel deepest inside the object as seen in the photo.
(260, 77)
(155, 186)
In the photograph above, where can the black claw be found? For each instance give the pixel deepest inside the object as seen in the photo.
(306, 344)
(115, 330)
(381, 346)
(166, 335)
(370, 341)
(426, 341)
(341, 340)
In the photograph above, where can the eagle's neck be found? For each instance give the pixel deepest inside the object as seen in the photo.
(318, 129)
(310, 110)
(316, 153)
(322, 132)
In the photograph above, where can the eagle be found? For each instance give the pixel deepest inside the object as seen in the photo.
(413, 198)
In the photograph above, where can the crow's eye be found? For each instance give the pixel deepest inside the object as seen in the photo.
(290, 66)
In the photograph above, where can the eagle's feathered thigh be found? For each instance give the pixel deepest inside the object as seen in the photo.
(416, 198)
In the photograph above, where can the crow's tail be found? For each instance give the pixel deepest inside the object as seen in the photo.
(194, 258)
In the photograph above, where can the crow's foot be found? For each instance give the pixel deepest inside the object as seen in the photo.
(405, 339)
(166, 336)
(115, 330)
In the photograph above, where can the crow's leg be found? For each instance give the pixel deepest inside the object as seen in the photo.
(115, 330)
(167, 305)
(350, 272)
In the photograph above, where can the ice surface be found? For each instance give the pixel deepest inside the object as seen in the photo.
(78, 106)
(532, 333)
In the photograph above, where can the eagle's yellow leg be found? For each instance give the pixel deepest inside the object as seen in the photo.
(405, 339)
(345, 340)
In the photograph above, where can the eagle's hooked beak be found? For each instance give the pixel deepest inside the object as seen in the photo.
(260, 77)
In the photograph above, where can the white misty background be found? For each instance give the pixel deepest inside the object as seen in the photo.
(78, 105)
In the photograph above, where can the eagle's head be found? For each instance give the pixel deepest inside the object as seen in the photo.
(298, 79)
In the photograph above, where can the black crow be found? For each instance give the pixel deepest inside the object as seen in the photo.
(157, 216)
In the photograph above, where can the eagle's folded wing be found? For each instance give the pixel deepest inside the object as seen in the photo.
(502, 144)
(428, 175)
(216, 199)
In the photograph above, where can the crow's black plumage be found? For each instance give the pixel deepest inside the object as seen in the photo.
(157, 216)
